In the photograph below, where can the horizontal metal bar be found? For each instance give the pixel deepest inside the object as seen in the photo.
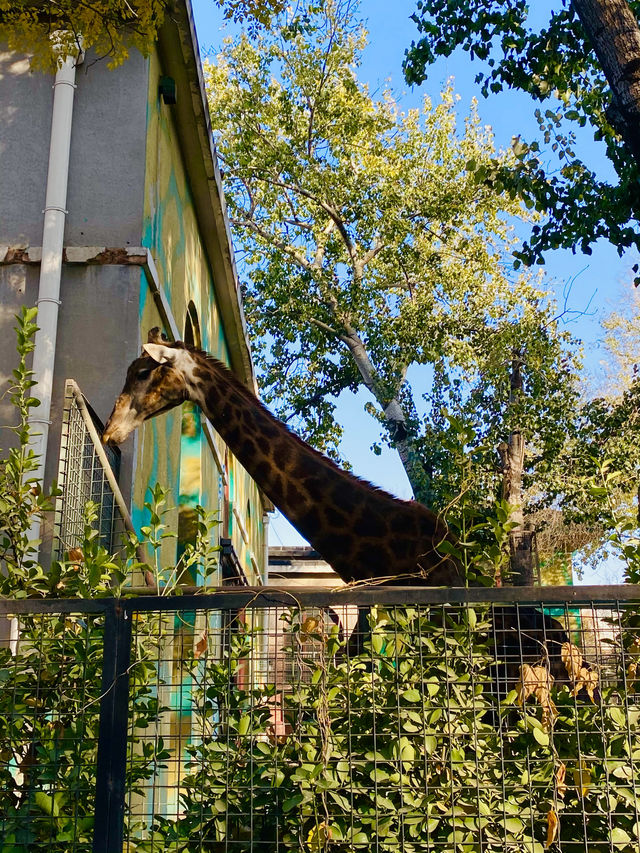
(234, 598)
(18, 606)
(251, 597)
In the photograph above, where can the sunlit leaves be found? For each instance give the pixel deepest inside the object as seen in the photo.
(111, 27)
(557, 67)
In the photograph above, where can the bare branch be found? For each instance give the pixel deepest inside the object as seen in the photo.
(291, 251)
(326, 328)
(329, 209)
(321, 243)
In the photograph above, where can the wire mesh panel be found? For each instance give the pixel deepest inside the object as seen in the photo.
(50, 675)
(267, 720)
(432, 727)
(87, 473)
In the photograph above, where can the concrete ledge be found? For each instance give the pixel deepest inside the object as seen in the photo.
(117, 255)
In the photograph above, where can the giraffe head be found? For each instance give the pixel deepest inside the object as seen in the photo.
(155, 383)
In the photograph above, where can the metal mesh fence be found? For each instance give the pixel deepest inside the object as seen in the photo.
(87, 472)
(49, 687)
(382, 720)
(424, 728)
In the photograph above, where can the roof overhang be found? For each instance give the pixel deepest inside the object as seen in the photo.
(180, 57)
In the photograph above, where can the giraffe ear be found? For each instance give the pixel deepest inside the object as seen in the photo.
(160, 353)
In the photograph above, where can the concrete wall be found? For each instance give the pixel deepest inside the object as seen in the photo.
(18, 286)
(106, 175)
(98, 329)
(98, 336)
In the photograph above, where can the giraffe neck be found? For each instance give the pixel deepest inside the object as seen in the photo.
(292, 474)
(359, 529)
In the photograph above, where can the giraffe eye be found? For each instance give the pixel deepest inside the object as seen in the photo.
(144, 373)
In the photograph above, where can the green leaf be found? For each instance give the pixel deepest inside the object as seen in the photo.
(46, 803)
(292, 802)
(541, 737)
(412, 695)
(430, 744)
(619, 836)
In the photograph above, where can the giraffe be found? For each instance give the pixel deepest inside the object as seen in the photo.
(363, 532)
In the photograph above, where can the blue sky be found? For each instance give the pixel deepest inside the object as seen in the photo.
(597, 282)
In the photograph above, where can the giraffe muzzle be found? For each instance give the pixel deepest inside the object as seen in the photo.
(121, 423)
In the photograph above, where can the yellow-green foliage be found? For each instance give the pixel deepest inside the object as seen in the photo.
(111, 27)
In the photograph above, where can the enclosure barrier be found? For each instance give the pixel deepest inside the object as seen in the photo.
(88, 471)
(377, 719)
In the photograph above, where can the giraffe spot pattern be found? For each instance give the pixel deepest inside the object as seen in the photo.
(363, 532)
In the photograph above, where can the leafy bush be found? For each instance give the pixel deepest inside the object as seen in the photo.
(403, 747)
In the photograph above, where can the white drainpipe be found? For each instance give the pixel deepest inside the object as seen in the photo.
(264, 637)
(51, 266)
(265, 567)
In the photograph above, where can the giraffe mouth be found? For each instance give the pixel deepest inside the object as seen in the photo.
(161, 411)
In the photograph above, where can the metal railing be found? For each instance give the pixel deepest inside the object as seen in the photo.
(378, 719)
(88, 471)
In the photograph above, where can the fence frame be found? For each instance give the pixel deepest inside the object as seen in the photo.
(73, 396)
(110, 791)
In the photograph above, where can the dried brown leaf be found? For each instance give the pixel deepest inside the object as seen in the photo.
(572, 659)
(587, 679)
(552, 827)
(201, 645)
(561, 785)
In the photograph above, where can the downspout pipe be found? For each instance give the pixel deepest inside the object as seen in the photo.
(48, 302)
(265, 566)
(264, 636)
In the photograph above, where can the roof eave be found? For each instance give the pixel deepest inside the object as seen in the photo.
(180, 57)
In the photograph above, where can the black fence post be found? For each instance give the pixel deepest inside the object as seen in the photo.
(108, 832)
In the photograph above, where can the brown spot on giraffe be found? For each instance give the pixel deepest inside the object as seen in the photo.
(362, 531)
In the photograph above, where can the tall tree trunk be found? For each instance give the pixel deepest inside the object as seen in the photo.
(521, 539)
(614, 34)
(393, 414)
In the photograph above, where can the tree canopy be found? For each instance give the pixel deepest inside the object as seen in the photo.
(556, 65)
(110, 27)
(372, 250)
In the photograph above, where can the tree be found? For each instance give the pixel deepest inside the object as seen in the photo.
(622, 345)
(371, 249)
(612, 29)
(111, 27)
(602, 448)
(556, 66)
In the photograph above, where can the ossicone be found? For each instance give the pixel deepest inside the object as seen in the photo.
(156, 336)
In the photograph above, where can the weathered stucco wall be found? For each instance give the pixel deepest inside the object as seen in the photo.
(106, 169)
(128, 186)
